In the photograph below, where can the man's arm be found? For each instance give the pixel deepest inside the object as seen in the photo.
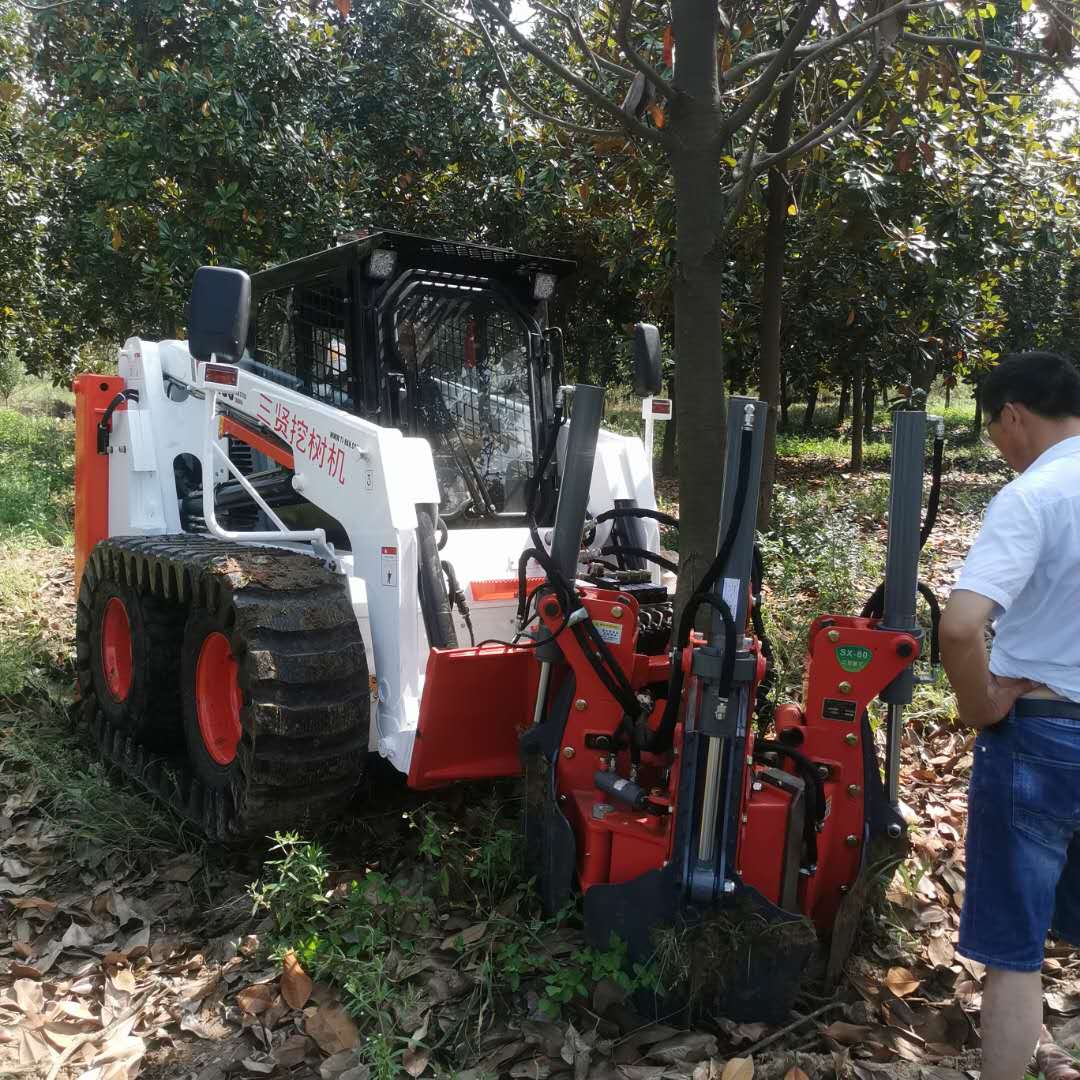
(982, 699)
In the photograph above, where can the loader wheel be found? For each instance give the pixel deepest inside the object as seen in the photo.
(127, 645)
(212, 699)
(269, 680)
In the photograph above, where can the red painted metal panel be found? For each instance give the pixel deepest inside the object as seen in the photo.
(92, 396)
(476, 702)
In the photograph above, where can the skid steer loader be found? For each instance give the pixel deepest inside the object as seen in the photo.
(288, 525)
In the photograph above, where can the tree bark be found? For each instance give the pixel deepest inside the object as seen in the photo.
(671, 430)
(811, 405)
(785, 401)
(869, 398)
(948, 394)
(694, 151)
(845, 393)
(857, 382)
(976, 427)
(772, 301)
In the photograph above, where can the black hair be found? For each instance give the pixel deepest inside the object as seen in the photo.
(1047, 383)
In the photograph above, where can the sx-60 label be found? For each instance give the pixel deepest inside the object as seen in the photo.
(853, 657)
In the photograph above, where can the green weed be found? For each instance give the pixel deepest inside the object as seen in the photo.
(97, 816)
(373, 935)
(36, 477)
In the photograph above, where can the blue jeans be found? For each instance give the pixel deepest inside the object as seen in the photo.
(1023, 842)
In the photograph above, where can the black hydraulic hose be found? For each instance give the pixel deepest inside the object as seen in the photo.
(662, 738)
(641, 553)
(935, 622)
(763, 706)
(457, 597)
(104, 424)
(637, 512)
(935, 491)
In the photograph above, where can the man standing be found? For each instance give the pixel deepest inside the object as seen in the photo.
(1023, 571)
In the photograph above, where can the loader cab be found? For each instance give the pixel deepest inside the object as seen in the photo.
(447, 341)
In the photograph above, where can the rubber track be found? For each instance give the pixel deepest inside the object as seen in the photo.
(302, 670)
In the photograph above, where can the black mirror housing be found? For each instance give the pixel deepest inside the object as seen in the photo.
(647, 375)
(219, 313)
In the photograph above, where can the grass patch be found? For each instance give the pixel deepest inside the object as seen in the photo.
(438, 939)
(37, 494)
(99, 817)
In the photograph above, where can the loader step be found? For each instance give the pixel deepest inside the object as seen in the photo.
(221, 633)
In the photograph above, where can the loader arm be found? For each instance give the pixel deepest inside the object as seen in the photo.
(369, 478)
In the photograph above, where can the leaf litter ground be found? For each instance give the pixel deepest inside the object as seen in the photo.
(132, 950)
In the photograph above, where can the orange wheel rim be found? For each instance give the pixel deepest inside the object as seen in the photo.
(116, 649)
(218, 698)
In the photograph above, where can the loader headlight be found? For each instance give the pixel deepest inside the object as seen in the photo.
(544, 286)
(381, 263)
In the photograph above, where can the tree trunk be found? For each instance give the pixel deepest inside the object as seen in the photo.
(948, 394)
(976, 427)
(772, 302)
(811, 405)
(869, 397)
(671, 427)
(785, 401)
(693, 149)
(857, 382)
(845, 393)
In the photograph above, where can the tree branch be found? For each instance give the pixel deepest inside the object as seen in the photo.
(763, 84)
(622, 35)
(986, 46)
(595, 96)
(38, 8)
(575, 30)
(831, 126)
(822, 47)
(746, 172)
(444, 17)
(579, 129)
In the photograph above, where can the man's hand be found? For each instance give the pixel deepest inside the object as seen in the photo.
(1001, 695)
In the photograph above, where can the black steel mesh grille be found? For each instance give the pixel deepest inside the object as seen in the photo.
(468, 360)
(302, 332)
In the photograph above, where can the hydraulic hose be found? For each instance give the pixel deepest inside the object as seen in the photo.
(637, 512)
(641, 553)
(661, 739)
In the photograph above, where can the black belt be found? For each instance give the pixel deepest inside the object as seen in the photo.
(1067, 710)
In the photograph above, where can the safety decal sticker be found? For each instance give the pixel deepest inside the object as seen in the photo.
(389, 566)
(611, 632)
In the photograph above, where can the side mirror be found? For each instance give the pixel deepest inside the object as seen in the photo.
(220, 309)
(647, 376)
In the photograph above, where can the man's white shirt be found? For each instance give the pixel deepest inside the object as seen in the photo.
(1026, 559)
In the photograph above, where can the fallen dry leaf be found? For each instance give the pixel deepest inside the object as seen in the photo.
(263, 1068)
(738, 1069)
(291, 1052)
(415, 1062)
(901, 981)
(29, 995)
(331, 1027)
(686, 1046)
(847, 1034)
(256, 998)
(1055, 1063)
(795, 1073)
(295, 983)
(469, 936)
